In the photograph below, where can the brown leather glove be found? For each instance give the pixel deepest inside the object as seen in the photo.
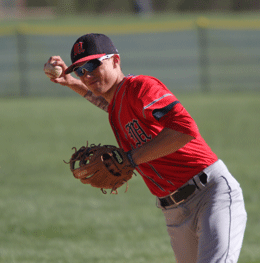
(104, 167)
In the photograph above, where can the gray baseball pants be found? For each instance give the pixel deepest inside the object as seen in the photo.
(209, 226)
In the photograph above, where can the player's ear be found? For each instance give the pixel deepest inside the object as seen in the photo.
(116, 60)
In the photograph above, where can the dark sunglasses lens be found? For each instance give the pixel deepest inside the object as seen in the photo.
(89, 67)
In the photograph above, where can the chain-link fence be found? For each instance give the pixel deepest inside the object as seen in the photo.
(203, 55)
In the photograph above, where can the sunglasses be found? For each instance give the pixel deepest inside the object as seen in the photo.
(91, 65)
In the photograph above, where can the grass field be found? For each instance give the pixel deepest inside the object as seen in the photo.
(48, 216)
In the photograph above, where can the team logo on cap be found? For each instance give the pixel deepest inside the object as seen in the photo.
(78, 48)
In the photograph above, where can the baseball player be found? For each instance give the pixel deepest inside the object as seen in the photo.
(202, 202)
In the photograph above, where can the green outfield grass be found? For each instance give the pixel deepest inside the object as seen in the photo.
(48, 216)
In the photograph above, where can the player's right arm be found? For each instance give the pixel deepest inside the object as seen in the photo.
(76, 84)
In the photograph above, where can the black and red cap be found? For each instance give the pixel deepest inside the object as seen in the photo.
(88, 47)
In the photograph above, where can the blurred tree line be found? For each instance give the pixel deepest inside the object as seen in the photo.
(128, 6)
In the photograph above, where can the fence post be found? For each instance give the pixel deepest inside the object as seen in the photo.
(202, 24)
(22, 62)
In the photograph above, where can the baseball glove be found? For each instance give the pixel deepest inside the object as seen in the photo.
(104, 167)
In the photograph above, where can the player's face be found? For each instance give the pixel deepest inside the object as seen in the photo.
(101, 80)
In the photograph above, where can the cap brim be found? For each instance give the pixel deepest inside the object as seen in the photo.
(85, 59)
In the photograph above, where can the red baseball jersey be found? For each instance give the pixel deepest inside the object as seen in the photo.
(141, 107)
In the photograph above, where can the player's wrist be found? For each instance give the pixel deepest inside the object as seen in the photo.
(130, 158)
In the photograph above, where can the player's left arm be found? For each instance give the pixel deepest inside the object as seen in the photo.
(166, 142)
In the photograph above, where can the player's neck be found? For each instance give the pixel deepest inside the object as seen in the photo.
(110, 94)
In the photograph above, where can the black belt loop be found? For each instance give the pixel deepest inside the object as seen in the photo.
(203, 178)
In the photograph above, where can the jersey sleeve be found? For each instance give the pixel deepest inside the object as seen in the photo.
(158, 104)
(179, 119)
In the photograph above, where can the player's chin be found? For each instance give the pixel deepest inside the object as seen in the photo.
(95, 87)
(99, 91)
